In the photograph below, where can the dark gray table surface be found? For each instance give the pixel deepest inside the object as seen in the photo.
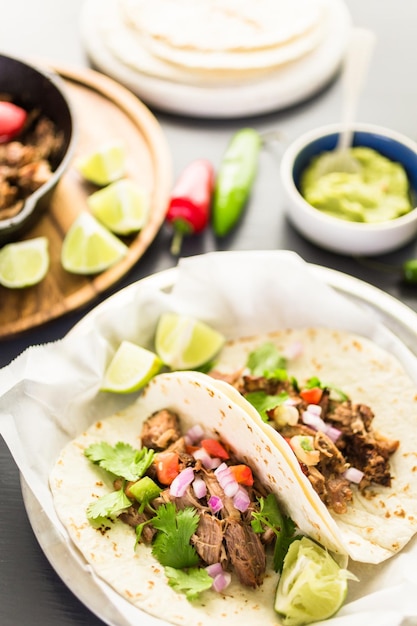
(30, 590)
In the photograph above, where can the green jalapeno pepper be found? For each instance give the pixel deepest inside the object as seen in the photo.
(409, 271)
(235, 179)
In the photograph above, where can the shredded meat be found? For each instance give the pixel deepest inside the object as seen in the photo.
(208, 538)
(245, 552)
(27, 162)
(132, 517)
(358, 445)
(160, 430)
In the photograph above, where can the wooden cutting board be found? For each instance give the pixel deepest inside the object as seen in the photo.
(103, 110)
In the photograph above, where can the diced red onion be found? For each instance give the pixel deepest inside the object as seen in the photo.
(215, 503)
(208, 462)
(221, 581)
(226, 480)
(180, 483)
(199, 487)
(241, 500)
(353, 474)
(333, 433)
(195, 434)
(315, 421)
(314, 408)
(214, 569)
(295, 349)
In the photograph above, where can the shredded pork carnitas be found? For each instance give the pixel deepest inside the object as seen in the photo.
(25, 162)
(358, 446)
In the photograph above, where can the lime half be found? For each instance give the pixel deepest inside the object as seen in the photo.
(89, 248)
(312, 586)
(185, 343)
(131, 368)
(104, 165)
(24, 263)
(122, 206)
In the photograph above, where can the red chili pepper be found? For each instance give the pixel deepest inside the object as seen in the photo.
(312, 396)
(12, 120)
(214, 448)
(190, 204)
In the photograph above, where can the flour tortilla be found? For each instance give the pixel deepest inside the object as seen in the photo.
(222, 25)
(136, 575)
(374, 528)
(228, 38)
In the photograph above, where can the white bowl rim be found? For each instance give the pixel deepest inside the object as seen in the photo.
(303, 140)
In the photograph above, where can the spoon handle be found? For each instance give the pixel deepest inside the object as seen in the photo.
(356, 66)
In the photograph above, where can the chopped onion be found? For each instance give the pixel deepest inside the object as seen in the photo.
(207, 461)
(180, 483)
(214, 569)
(241, 500)
(226, 480)
(199, 487)
(354, 475)
(221, 581)
(215, 503)
(315, 421)
(314, 408)
(295, 349)
(333, 433)
(195, 434)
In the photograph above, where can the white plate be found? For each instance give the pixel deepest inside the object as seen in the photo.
(396, 316)
(281, 88)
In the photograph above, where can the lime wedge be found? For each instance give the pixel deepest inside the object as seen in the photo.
(105, 165)
(123, 206)
(131, 368)
(89, 248)
(312, 586)
(24, 263)
(185, 343)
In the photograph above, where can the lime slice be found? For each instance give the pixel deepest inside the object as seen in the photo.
(24, 263)
(89, 248)
(105, 165)
(131, 368)
(312, 586)
(185, 343)
(121, 206)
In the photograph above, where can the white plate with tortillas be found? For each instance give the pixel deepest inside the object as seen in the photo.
(217, 58)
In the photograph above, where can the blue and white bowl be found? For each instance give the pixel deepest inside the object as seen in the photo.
(339, 235)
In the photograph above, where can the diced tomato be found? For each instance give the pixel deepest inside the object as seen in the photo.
(190, 449)
(167, 467)
(312, 396)
(242, 474)
(214, 448)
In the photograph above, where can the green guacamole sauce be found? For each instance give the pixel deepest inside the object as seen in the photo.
(380, 191)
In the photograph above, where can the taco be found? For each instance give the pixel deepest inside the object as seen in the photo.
(343, 413)
(112, 520)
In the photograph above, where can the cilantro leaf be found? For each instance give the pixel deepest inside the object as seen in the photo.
(172, 543)
(264, 402)
(316, 382)
(270, 515)
(122, 459)
(191, 582)
(266, 359)
(109, 505)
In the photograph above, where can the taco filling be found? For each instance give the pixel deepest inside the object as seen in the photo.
(198, 507)
(332, 436)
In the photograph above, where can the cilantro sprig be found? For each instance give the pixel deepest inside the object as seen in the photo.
(264, 402)
(270, 516)
(109, 505)
(267, 361)
(175, 528)
(122, 459)
(191, 582)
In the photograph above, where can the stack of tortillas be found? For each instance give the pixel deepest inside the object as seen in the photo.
(213, 53)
